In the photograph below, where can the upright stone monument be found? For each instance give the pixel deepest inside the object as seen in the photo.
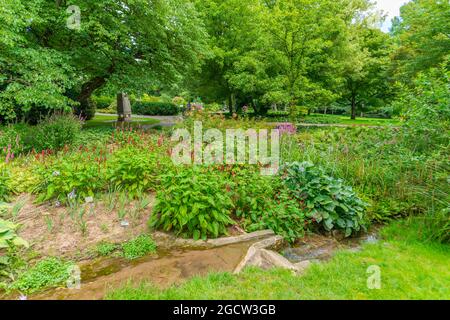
(123, 108)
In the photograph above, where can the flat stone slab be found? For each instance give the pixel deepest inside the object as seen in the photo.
(242, 238)
(213, 243)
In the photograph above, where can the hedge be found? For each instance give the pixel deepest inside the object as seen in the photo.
(154, 108)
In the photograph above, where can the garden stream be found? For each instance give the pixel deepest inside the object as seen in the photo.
(173, 266)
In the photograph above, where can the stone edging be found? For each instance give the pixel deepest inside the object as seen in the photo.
(220, 242)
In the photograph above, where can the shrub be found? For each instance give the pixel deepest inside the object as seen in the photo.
(252, 192)
(149, 98)
(193, 203)
(50, 272)
(12, 139)
(138, 247)
(428, 110)
(85, 110)
(155, 108)
(133, 170)
(104, 249)
(328, 202)
(264, 203)
(93, 136)
(73, 176)
(102, 102)
(284, 216)
(55, 132)
(52, 133)
(214, 107)
(179, 101)
(36, 114)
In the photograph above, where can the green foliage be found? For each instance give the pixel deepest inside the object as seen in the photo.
(365, 69)
(55, 132)
(155, 108)
(193, 202)
(102, 102)
(52, 133)
(422, 33)
(263, 203)
(327, 201)
(11, 265)
(4, 182)
(281, 52)
(428, 112)
(71, 177)
(94, 136)
(8, 235)
(138, 247)
(132, 169)
(179, 101)
(12, 139)
(252, 192)
(85, 109)
(47, 273)
(284, 216)
(11, 262)
(431, 228)
(33, 76)
(435, 226)
(375, 162)
(104, 249)
(168, 41)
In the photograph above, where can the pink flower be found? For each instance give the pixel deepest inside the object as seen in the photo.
(9, 155)
(287, 128)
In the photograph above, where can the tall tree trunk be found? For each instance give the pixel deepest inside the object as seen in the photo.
(86, 109)
(230, 103)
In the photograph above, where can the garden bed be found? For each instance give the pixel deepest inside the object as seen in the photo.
(53, 231)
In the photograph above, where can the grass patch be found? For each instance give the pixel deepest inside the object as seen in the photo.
(409, 270)
(100, 121)
(337, 119)
(104, 249)
(138, 247)
(50, 272)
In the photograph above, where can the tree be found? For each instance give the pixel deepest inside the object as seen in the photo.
(31, 76)
(423, 37)
(126, 45)
(298, 53)
(365, 69)
(233, 26)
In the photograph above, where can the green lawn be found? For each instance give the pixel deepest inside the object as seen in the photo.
(337, 119)
(409, 270)
(100, 121)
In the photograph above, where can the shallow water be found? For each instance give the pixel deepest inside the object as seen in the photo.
(163, 270)
(320, 248)
(174, 265)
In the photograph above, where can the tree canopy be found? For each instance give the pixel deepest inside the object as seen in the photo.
(127, 45)
(260, 53)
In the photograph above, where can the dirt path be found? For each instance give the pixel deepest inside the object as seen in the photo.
(165, 121)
